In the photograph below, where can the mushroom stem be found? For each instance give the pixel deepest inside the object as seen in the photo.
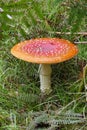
(45, 78)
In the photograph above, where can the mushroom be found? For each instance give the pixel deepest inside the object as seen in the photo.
(45, 51)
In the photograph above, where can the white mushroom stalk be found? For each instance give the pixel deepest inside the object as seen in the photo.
(45, 78)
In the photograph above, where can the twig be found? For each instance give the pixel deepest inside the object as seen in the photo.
(84, 42)
(68, 33)
(77, 33)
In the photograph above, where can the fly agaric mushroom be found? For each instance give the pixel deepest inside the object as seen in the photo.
(45, 51)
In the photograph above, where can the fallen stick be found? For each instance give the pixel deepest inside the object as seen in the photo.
(68, 33)
(84, 42)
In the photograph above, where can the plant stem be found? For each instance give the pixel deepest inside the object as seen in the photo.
(84, 78)
(45, 78)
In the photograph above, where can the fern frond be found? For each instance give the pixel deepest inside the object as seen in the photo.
(54, 120)
(28, 98)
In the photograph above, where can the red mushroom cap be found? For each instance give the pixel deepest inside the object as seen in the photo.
(45, 50)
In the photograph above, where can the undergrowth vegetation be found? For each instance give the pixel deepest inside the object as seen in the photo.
(22, 107)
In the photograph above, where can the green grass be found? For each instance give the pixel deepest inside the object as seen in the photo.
(22, 106)
(20, 94)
